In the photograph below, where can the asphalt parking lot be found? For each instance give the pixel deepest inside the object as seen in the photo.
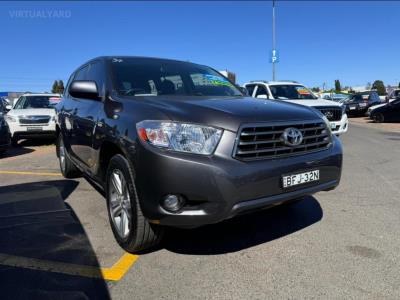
(55, 239)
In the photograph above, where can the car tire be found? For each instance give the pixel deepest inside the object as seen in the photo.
(131, 229)
(67, 167)
(379, 118)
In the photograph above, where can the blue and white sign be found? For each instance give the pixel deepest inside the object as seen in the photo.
(274, 56)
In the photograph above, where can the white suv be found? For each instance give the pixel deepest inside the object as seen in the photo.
(33, 116)
(294, 92)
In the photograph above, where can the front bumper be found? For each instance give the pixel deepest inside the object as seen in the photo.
(32, 130)
(340, 127)
(219, 187)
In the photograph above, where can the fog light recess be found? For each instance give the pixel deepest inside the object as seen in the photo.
(172, 203)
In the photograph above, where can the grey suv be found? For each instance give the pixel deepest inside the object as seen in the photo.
(174, 143)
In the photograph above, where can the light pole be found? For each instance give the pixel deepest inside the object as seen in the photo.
(273, 40)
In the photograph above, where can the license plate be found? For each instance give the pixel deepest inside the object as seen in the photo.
(333, 126)
(296, 179)
(362, 104)
(352, 107)
(34, 128)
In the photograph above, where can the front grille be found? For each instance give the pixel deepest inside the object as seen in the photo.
(331, 113)
(34, 120)
(263, 141)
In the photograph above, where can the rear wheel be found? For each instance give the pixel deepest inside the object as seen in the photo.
(379, 118)
(67, 167)
(131, 229)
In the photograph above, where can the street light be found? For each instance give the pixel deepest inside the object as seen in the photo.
(273, 41)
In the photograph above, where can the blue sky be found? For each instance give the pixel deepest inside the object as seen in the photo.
(318, 41)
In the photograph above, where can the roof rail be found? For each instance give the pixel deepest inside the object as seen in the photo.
(265, 81)
(282, 80)
(294, 81)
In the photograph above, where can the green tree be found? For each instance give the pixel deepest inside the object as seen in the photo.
(316, 89)
(338, 88)
(60, 87)
(54, 88)
(379, 86)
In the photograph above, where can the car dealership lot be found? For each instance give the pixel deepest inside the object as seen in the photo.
(342, 243)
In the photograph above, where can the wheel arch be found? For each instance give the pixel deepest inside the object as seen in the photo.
(107, 150)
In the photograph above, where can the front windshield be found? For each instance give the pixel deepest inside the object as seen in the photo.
(154, 77)
(291, 91)
(27, 102)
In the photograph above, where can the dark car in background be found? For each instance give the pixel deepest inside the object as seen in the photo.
(389, 112)
(174, 143)
(358, 103)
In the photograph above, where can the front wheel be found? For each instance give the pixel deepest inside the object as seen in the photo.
(379, 118)
(131, 229)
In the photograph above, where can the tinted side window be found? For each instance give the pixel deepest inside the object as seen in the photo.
(67, 86)
(95, 73)
(250, 88)
(261, 90)
(81, 74)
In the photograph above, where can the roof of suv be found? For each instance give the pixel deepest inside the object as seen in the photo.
(288, 82)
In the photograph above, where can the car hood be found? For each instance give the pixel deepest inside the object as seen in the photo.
(315, 102)
(228, 112)
(32, 112)
(376, 106)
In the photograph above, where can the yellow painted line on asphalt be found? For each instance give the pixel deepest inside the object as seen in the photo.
(115, 273)
(30, 173)
(118, 270)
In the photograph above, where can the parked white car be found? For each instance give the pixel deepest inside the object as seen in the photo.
(33, 116)
(294, 92)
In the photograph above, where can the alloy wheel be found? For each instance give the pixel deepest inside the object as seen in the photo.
(120, 203)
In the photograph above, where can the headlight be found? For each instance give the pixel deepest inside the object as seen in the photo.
(180, 137)
(11, 118)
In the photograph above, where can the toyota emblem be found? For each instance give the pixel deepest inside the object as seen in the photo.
(328, 114)
(292, 137)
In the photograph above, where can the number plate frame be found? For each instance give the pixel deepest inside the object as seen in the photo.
(292, 180)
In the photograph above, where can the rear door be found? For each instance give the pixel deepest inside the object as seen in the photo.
(85, 116)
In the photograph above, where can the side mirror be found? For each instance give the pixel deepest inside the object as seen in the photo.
(262, 96)
(84, 89)
(8, 107)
